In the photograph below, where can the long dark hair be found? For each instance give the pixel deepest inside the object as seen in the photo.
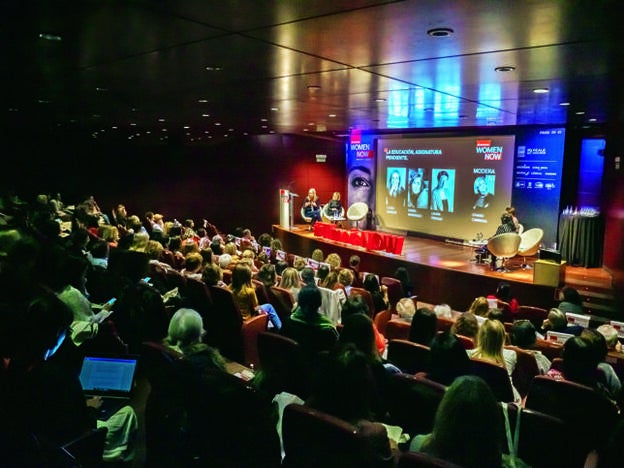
(468, 427)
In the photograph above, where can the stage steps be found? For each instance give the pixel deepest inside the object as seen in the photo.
(597, 293)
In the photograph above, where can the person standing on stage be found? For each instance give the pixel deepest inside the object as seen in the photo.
(312, 206)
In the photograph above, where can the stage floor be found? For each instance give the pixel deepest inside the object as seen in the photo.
(457, 257)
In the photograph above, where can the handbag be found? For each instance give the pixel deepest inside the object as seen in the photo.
(513, 460)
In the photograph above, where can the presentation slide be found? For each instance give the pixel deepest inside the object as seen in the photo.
(452, 187)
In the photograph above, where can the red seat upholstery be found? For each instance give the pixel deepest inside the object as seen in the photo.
(249, 333)
(589, 414)
(409, 357)
(313, 439)
(496, 377)
(368, 299)
(381, 320)
(282, 363)
(223, 329)
(466, 341)
(397, 329)
(283, 301)
(395, 290)
(412, 402)
(536, 315)
(526, 368)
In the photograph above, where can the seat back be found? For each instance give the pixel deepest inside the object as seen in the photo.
(397, 329)
(445, 323)
(526, 368)
(261, 291)
(282, 363)
(368, 299)
(164, 408)
(495, 376)
(87, 449)
(283, 301)
(196, 295)
(535, 315)
(357, 211)
(313, 438)
(543, 439)
(224, 327)
(466, 341)
(549, 349)
(250, 330)
(395, 290)
(589, 414)
(409, 357)
(422, 460)
(412, 402)
(530, 241)
(504, 245)
(382, 319)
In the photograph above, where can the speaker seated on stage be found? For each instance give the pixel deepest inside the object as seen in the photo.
(333, 209)
(507, 226)
(311, 208)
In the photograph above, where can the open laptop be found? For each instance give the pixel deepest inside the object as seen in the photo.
(111, 378)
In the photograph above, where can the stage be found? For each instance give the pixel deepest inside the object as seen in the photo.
(446, 272)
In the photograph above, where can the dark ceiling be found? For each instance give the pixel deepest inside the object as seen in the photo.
(150, 70)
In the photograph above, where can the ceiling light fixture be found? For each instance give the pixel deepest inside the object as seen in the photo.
(274, 109)
(505, 69)
(205, 115)
(380, 100)
(332, 115)
(202, 101)
(564, 104)
(209, 68)
(540, 90)
(314, 87)
(440, 32)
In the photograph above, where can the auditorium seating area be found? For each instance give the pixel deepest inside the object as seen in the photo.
(175, 418)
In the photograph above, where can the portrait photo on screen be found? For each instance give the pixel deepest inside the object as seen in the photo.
(417, 189)
(443, 190)
(483, 189)
(395, 190)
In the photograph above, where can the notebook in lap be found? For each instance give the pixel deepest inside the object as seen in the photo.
(109, 377)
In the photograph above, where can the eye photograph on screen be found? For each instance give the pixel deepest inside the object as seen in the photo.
(447, 186)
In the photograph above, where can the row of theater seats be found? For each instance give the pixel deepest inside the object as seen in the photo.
(560, 423)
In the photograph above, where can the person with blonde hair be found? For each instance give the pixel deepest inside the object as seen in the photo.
(290, 280)
(406, 309)
(193, 265)
(245, 299)
(334, 206)
(312, 207)
(491, 347)
(334, 261)
(480, 306)
(317, 255)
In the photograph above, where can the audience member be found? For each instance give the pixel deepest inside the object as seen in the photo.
(468, 429)
(380, 298)
(480, 307)
(448, 358)
(348, 391)
(570, 301)
(423, 327)
(334, 261)
(313, 331)
(406, 309)
(290, 281)
(490, 347)
(523, 335)
(443, 311)
(402, 275)
(556, 321)
(611, 337)
(245, 299)
(466, 325)
(606, 375)
(357, 305)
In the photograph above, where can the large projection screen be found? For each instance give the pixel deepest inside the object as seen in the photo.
(451, 187)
